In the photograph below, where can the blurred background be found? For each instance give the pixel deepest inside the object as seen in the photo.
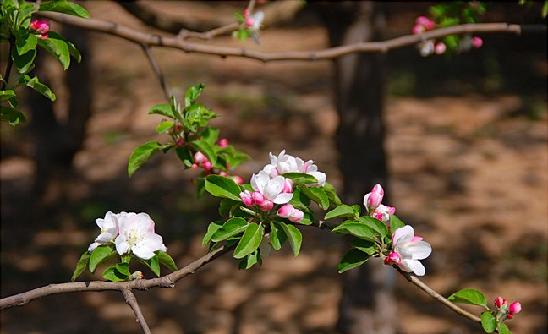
(460, 141)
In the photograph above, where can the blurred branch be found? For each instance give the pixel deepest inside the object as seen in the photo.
(9, 64)
(132, 302)
(156, 69)
(275, 12)
(140, 37)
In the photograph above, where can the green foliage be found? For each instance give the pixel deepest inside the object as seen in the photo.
(65, 7)
(98, 255)
(488, 322)
(352, 259)
(344, 211)
(503, 329)
(277, 236)
(35, 84)
(250, 241)
(220, 186)
(81, 265)
(293, 235)
(395, 223)
(141, 155)
(232, 227)
(468, 296)
(358, 229)
(117, 273)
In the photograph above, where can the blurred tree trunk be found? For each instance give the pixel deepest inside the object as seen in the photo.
(57, 141)
(367, 304)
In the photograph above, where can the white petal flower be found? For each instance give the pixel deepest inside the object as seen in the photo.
(411, 249)
(258, 18)
(136, 234)
(109, 230)
(271, 188)
(285, 163)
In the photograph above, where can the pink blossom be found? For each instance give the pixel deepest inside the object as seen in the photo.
(499, 301)
(289, 212)
(418, 29)
(194, 165)
(440, 48)
(477, 42)
(223, 142)
(266, 205)
(288, 186)
(285, 210)
(200, 158)
(410, 252)
(180, 142)
(514, 308)
(425, 22)
(296, 216)
(392, 258)
(258, 198)
(374, 198)
(207, 165)
(247, 198)
(225, 174)
(40, 26)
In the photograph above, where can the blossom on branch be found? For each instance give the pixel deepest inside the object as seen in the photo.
(372, 202)
(109, 230)
(289, 212)
(136, 234)
(41, 27)
(407, 250)
(272, 189)
(285, 163)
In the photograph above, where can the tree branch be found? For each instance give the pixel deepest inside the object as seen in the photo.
(157, 71)
(9, 64)
(132, 302)
(153, 40)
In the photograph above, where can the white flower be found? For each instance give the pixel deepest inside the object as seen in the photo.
(426, 48)
(136, 234)
(109, 230)
(257, 18)
(383, 213)
(285, 163)
(271, 188)
(410, 249)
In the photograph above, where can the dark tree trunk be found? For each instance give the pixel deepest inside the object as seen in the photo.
(367, 305)
(57, 141)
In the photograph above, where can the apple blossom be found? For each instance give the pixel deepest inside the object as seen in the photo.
(270, 188)
(425, 22)
(289, 212)
(109, 230)
(499, 301)
(136, 234)
(477, 42)
(288, 186)
(237, 179)
(246, 198)
(374, 198)
(266, 205)
(408, 251)
(514, 308)
(41, 27)
(285, 163)
(200, 158)
(440, 48)
(223, 142)
(426, 48)
(383, 213)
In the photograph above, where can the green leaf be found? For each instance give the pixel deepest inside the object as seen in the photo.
(468, 296)
(166, 260)
(318, 195)
(293, 234)
(488, 322)
(65, 7)
(35, 84)
(232, 227)
(184, 155)
(163, 109)
(25, 61)
(164, 126)
(332, 195)
(11, 115)
(226, 206)
(211, 229)
(210, 135)
(81, 265)
(301, 178)
(113, 274)
(503, 329)
(250, 241)
(123, 268)
(141, 155)
(357, 229)
(368, 247)
(57, 46)
(73, 51)
(207, 149)
(197, 116)
(6, 95)
(25, 42)
(154, 265)
(352, 259)
(395, 223)
(344, 210)
(192, 94)
(277, 236)
(250, 260)
(220, 186)
(98, 255)
(375, 224)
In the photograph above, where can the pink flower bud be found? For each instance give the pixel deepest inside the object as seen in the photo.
(194, 165)
(225, 174)
(246, 198)
(207, 165)
(238, 179)
(223, 142)
(288, 186)
(440, 48)
(296, 216)
(258, 198)
(417, 29)
(375, 197)
(514, 308)
(180, 142)
(499, 301)
(392, 258)
(200, 158)
(266, 205)
(285, 211)
(40, 26)
(477, 42)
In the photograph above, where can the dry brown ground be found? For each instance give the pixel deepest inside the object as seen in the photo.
(471, 178)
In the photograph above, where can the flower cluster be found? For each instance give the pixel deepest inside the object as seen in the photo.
(253, 21)
(285, 163)
(41, 27)
(130, 232)
(505, 311)
(201, 161)
(407, 250)
(372, 202)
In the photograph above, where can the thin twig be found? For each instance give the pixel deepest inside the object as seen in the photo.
(132, 302)
(9, 64)
(156, 69)
(434, 294)
(140, 37)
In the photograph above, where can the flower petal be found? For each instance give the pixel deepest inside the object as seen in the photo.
(415, 266)
(403, 234)
(283, 198)
(419, 250)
